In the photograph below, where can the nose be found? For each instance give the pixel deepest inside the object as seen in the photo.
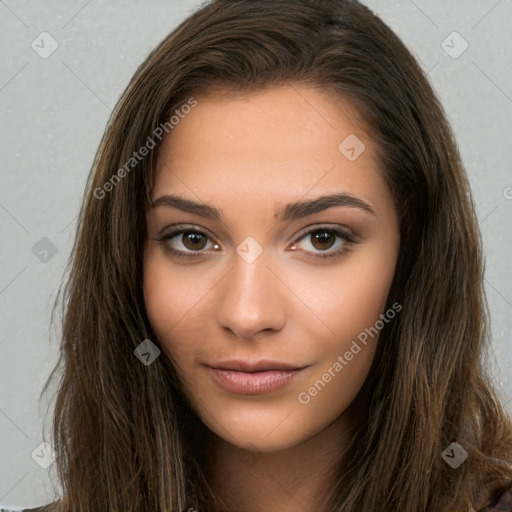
(251, 300)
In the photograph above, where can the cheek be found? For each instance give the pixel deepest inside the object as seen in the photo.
(174, 303)
(353, 300)
(351, 306)
(362, 296)
(350, 297)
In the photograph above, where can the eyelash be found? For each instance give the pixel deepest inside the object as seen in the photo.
(180, 229)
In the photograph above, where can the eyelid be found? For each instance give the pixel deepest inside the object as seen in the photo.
(176, 229)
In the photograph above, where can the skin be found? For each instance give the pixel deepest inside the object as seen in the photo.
(249, 155)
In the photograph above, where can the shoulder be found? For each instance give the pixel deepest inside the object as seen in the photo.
(501, 502)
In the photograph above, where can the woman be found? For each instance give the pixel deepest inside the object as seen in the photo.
(276, 298)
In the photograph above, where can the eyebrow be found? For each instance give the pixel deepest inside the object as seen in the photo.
(291, 211)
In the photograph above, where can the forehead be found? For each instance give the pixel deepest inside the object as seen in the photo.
(283, 139)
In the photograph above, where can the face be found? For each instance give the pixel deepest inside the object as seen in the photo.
(270, 247)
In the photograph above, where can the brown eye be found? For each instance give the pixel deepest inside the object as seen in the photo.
(322, 240)
(182, 243)
(193, 240)
(325, 242)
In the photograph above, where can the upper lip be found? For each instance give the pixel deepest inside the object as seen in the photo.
(253, 366)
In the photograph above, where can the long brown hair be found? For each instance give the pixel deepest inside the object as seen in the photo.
(124, 435)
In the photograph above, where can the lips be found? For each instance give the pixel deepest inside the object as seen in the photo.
(254, 366)
(253, 377)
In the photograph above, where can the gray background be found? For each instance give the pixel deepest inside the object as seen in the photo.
(54, 112)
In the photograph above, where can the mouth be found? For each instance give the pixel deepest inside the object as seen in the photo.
(247, 366)
(253, 378)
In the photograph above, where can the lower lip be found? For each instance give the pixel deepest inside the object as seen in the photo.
(255, 383)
